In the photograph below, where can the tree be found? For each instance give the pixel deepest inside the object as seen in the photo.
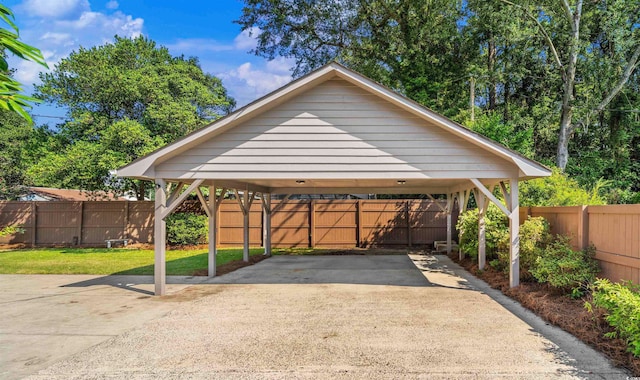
(124, 100)
(10, 97)
(600, 43)
(21, 145)
(413, 46)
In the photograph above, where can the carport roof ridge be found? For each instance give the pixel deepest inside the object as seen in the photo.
(143, 167)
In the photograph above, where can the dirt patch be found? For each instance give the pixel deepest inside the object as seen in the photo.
(562, 311)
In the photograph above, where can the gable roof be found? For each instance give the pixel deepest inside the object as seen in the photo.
(144, 167)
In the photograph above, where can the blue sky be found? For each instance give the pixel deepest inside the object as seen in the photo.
(204, 29)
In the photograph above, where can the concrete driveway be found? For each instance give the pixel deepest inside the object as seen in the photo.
(46, 318)
(331, 317)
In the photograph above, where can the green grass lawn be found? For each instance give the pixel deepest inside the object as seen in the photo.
(102, 261)
(109, 261)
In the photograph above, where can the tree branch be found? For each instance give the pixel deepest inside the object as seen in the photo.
(546, 36)
(569, 13)
(631, 66)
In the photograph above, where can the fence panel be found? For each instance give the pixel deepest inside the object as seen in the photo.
(103, 220)
(384, 222)
(140, 221)
(58, 223)
(615, 232)
(428, 222)
(231, 224)
(334, 223)
(290, 225)
(21, 214)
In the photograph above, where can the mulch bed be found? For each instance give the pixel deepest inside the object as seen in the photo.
(562, 311)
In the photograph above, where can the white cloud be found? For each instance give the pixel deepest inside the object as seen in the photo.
(117, 23)
(247, 39)
(55, 9)
(247, 83)
(61, 39)
(197, 45)
(112, 4)
(280, 65)
(61, 26)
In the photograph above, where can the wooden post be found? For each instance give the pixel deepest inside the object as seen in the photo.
(79, 225)
(126, 219)
(449, 210)
(407, 215)
(266, 204)
(159, 238)
(359, 227)
(312, 223)
(213, 219)
(246, 211)
(34, 224)
(583, 228)
(482, 242)
(514, 231)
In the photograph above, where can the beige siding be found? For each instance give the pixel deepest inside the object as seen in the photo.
(336, 130)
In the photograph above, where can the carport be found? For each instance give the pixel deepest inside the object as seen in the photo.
(332, 131)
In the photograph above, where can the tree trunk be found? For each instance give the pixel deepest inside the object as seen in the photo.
(491, 62)
(569, 78)
(564, 135)
(141, 190)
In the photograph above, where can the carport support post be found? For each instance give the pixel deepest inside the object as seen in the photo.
(482, 242)
(159, 238)
(213, 225)
(246, 211)
(449, 210)
(514, 232)
(266, 204)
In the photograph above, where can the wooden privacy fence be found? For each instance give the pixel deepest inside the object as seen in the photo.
(614, 230)
(295, 223)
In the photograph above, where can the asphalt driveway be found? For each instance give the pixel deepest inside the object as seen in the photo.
(333, 317)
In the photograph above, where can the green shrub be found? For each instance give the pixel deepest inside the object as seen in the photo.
(560, 190)
(496, 231)
(622, 303)
(534, 238)
(563, 268)
(11, 230)
(187, 229)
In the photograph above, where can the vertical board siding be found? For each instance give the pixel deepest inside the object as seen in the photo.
(231, 224)
(335, 223)
(290, 225)
(57, 222)
(17, 214)
(103, 220)
(615, 232)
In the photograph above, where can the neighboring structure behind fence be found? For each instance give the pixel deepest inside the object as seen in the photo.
(614, 230)
(295, 223)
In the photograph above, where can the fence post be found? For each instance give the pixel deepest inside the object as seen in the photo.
(34, 224)
(407, 216)
(312, 223)
(583, 227)
(359, 242)
(79, 227)
(126, 219)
